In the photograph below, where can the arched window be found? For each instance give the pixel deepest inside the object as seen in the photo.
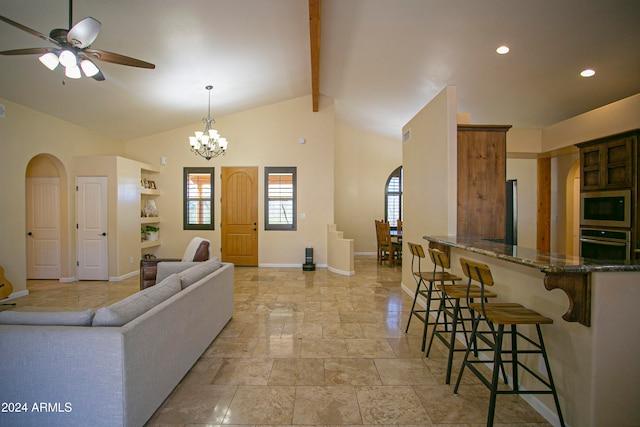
(393, 198)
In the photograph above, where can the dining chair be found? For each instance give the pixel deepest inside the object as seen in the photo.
(387, 249)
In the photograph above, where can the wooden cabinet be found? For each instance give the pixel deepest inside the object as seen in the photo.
(611, 163)
(482, 168)
(607, 163)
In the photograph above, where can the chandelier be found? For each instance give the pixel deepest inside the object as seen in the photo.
(209, 143)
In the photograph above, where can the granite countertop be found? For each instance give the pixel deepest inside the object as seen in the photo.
(548, 262)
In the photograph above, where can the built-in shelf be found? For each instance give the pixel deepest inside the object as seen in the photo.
(150, 243)
(148, 174)
(150, 219)
(150, 191)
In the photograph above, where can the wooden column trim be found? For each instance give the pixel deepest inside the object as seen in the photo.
(314, 32)
(543, 219)
(577, 286)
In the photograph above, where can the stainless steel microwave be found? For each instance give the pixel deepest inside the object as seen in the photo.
(606, 208)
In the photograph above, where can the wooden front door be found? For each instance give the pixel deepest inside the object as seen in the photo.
(239, 230)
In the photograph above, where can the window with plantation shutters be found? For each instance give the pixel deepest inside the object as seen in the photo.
(198, 199)
(280, 198)
(393, 198)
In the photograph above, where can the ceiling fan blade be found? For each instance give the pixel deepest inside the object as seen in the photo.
(84, 32)
(29, 51)
(28, 30)
(116, 58)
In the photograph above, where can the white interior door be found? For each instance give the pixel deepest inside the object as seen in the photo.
(93, 246)
(43, 228)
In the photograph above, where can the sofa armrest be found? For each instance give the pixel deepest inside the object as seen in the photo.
(149, 270)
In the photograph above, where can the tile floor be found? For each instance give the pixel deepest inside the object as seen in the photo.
(311, 348)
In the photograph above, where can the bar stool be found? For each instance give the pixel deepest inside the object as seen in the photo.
(428, 292)
(454, 294)
(503, 314)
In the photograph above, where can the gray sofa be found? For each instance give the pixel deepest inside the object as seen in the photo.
(112, 375)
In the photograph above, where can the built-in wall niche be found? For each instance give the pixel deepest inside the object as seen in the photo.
(150, 218)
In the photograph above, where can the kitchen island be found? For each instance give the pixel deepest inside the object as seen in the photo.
(593, 344)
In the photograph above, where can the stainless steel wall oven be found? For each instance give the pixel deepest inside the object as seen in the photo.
(605, 244)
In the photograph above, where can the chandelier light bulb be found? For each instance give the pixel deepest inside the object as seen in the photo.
(90, 69)
(67, 58)
(72, 72)
(50, 60)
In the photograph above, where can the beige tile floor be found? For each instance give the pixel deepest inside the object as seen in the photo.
(311, 348)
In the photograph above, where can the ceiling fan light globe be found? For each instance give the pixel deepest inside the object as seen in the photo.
(73, 72)
(68, 59)
(90, 69)
(193, 141)
(49, 60)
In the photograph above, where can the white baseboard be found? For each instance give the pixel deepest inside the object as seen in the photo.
(123, 277)
(289, 266)
(342, 272)
(15, 295)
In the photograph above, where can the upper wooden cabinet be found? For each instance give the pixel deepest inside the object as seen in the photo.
(482, 169)
(607, 163)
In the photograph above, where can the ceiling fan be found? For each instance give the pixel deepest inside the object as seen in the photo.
(73, 48)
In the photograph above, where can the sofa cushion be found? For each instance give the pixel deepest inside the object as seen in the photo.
(58, 318)
(124, 311)
(164, 289)
(166, 269)
(192, 274)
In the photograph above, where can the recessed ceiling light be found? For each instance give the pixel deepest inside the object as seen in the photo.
(587, 73)
(503, 50)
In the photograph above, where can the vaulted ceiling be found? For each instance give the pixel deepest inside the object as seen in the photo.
(380, 60)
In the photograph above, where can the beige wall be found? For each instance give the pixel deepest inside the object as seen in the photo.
(430, 174)
(610, 119)
(25, 133)
(363, 163)
(266, 136)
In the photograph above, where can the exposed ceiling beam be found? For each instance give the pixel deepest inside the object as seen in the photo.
(314, 32)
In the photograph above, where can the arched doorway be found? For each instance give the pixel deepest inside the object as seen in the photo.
(47, 216)
(573, 210)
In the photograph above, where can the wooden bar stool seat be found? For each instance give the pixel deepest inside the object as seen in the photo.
(454, 294)
(425, 287)
(511, 315)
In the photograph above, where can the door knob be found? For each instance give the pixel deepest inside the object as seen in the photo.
(29, 234)
(103, 234)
